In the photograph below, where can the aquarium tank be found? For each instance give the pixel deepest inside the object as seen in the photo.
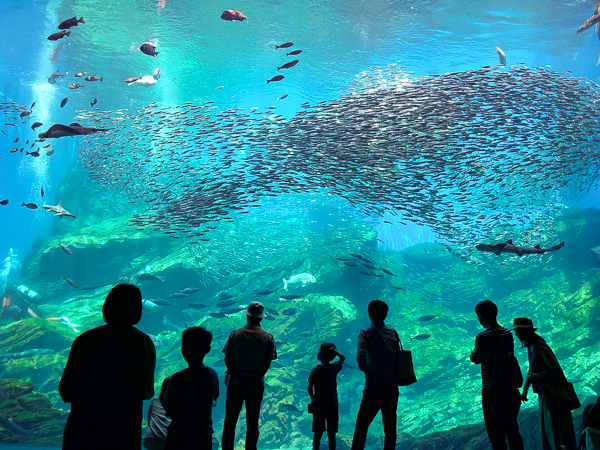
(340, 151)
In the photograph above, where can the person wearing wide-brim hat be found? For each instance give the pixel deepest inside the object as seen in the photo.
(557, 426)
(248, 355)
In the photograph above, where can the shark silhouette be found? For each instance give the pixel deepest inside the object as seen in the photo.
(58, 210)
(509, 247)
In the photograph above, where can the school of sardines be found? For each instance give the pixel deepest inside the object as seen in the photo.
(468, 154)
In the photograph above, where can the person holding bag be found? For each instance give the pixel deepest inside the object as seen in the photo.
(377, 356)
(556, 395)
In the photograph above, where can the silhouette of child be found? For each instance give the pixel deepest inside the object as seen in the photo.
(322, 388)
(158, 422)
(191, 395)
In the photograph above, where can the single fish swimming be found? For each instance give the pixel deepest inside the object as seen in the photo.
(509, 247)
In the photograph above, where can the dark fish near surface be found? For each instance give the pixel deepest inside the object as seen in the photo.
(149, 49)
(71, 282)
(42, 191)
(58, 35)
(67, 250)
(286, 45)
(509, 247)
(388, 272)
(25, 114)
(35, 154)
(131, 80)
(501, 55)
(36, 125)
(264, 291)
(64, 101)
(50, 152)
(589, 23)
(93, 103)
(293, 53)
(4, 202)
(80, 74)
(72, 22)
(289, 64)
(421, 337)
(29, 205)
(276, 78)
(94, 78)
(233, 15)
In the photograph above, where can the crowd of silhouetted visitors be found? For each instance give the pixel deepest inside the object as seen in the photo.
(110, 371)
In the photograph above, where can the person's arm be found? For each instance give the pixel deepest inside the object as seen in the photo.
(311, 391)
(361, 352)
(215, 380)
(476, 353)
(150, 368)
(342, 357)
(526, 388)
(270, 356)
(71, 376)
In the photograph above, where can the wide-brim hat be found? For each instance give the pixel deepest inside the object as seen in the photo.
(256, 310)
(523, 323)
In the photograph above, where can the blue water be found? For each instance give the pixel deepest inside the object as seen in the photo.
(346, 46)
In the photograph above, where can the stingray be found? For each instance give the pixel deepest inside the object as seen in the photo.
(58, 130)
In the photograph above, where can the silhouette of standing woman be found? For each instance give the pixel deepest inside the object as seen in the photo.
(110, 371)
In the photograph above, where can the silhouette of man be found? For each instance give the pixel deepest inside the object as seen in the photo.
(378, 348)
(248, 355)
(110, 371)
(500, 401)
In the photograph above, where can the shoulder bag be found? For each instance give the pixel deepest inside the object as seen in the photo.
(559, 395)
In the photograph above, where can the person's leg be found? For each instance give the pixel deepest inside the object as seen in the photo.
(333, 418)
(317, 440)
(253, 403)
(492, 403)
(233, 407)
(511, 424)
(369, 407)
(389, 415)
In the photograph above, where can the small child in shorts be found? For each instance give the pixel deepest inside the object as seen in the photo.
(322, 388)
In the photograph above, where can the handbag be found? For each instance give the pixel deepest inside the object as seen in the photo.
(560, 397)
(405, 368)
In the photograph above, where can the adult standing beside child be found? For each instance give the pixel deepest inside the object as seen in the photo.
(248, 355)
(545, 375)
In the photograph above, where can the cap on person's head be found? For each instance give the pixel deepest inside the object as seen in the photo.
(123, 305)
(255, 310)
(523, 324)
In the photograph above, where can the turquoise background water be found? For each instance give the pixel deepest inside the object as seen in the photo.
(347, 47)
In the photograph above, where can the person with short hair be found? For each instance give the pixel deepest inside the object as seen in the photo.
(248, 355)
(499, 399)
(378, 349)
(557, 431)
(322, 388)
(191, 395)
(158, 422)
(109, 372)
